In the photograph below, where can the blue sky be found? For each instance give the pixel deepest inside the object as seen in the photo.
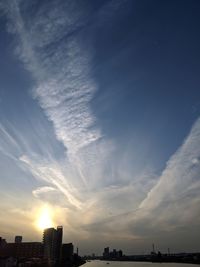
(99, 120)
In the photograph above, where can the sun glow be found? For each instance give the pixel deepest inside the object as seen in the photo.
(44, 219)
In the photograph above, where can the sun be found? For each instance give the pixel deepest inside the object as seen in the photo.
(44, 218)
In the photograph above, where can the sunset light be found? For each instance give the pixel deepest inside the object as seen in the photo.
(44, 219)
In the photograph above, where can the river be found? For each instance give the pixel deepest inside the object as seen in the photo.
(134, 264)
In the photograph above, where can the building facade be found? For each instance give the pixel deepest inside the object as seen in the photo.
(52, 240)
(67, 252)
(23, 250)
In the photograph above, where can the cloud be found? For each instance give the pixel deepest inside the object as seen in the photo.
(164, 207)
(174, 201)
(42, 190)
(8, 145)
(51, 48)
(181, 172)
(64, 84)
(52, 173)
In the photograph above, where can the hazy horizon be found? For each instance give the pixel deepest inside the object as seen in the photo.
(100, 122)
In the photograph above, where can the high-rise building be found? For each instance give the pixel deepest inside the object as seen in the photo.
(106, 252)
(18, 239)
(49, 241)
(59, 236)
(52, 240)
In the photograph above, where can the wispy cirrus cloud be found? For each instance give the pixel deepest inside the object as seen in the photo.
(52, 173)
(61, 66)
(44, 189)
(181, 173)
(50, 46)
(173, 203)
(166, 207)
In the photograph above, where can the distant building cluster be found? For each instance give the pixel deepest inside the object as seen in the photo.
(51, 252)
(114, 254)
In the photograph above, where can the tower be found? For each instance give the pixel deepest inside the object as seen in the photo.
(52, 240)
(49, 241)
(59, 235)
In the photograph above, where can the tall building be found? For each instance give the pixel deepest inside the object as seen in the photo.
(18, 239)
(49, 241)
(59, 236)
(106, 252)
(52, 240)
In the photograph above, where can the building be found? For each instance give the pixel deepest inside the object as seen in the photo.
(67, 252)
(120, 253)
(59, 236)
(23, 250)
(115, 254)
(28, 250)
(18, 239)
(106, 252)
(2, 242)
(49, 241)
(48, 253)
(52, 240)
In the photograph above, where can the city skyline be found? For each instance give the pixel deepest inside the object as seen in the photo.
(100, 122)
(53, 252)
(50, 252)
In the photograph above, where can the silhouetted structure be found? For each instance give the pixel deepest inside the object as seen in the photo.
(52, 240)
(67, 253)
(49, 241)
(2, 242)
(59, 236)
(22, 250)
(49, 253)
(106, 253)
(152, 257)
(18, 239)
(111, 255)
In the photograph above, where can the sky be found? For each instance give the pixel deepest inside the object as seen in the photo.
(100, 122)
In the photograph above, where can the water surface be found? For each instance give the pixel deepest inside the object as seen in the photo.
(134, 264)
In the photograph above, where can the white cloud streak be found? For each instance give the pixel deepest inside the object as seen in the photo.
(8, 144)
(42, 190)
(51, 173)
(61, 66)
(180, 174)
(62, 71)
